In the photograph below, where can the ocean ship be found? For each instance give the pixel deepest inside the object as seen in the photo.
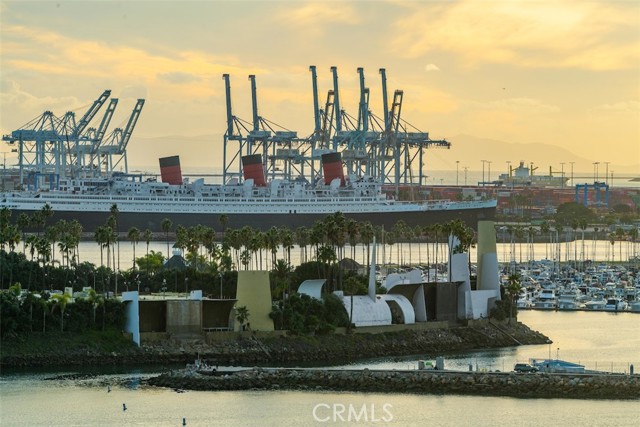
(145, 203)
(63, 158)
(523, 176)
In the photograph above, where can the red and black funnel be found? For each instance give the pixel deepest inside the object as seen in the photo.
(252, 168)
(332, 168)
(170, 170)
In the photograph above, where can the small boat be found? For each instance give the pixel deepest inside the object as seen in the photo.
(615, 304)
(557, 366)
(596, 304)
(546, 300)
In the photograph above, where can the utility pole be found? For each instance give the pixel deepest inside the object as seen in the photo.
(465, 174)
(572, 172)
(483, 162)
(457, 165)
(606, 174)
(489, 170)
(562, 173)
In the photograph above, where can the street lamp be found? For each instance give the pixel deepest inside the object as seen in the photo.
(220, 274)
(186, 286)
(164, 288)
(457, 164)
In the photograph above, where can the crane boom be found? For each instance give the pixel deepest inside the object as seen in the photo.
(133, 119)
(316, 108)
(227, 90)
(106, 119)
(91, 112)
(336, 99)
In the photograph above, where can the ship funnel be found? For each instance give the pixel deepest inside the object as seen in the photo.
(332, 168)
(253, 168)
(170, 170)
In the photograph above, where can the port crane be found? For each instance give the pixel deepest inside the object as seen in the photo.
(50, 148)
(113, 150)
(384, 148)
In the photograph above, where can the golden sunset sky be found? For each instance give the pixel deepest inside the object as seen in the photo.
(552, 81)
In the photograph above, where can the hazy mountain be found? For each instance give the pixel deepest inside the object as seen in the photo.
(204, 151)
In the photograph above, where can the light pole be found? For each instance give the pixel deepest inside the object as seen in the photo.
(489, 170)
(164, 288)
(483, 162)
(572, 172)
(457, 164)
(562, 173)
(465, 174)
(186, 287)
(606, 174)
(595, 171)
(220, 274)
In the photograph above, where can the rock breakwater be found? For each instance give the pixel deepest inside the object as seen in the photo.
(592, 386)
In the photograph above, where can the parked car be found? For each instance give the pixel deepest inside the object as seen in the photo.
(524, 367)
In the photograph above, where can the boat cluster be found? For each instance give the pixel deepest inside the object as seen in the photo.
(600, 287)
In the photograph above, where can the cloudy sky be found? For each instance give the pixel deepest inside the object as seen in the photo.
(562, 72)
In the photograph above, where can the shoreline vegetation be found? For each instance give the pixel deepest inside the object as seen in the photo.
(99, 348)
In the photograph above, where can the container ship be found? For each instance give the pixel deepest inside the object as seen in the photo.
(254, 201)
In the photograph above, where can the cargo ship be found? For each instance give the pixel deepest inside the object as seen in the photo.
(145, 203)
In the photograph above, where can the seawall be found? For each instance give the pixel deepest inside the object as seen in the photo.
(584, 386)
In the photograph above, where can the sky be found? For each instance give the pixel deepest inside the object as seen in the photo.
(561, 73)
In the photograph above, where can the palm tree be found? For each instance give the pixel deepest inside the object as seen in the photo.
(545, 228)
(353, 229)
(61, 301)
(612, 240)
(513, 291)
(114, 212)
(134, 237)
(366, 236)
(620, 235)
(147, 235)
(242, 315)
(23, 222)
(286, 239)
(224, 220)
(166, 227)
(282, 276)
(303, 235)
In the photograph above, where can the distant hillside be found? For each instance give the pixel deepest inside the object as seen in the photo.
(204, 151)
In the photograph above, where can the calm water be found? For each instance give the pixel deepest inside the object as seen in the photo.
(414, 253)
(27, 399)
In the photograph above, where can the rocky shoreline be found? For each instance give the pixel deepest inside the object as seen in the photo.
(583, 386)
(278, 350)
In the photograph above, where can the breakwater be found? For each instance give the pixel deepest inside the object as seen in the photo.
(583, 386)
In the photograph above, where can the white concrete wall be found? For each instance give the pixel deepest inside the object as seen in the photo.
(132, 313)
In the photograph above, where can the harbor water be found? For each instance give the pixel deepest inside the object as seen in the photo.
(397, 254)
(96, 397)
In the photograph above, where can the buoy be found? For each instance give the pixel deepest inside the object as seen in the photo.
(124, 407)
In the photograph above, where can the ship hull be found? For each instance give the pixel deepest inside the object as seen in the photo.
(91, 220)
